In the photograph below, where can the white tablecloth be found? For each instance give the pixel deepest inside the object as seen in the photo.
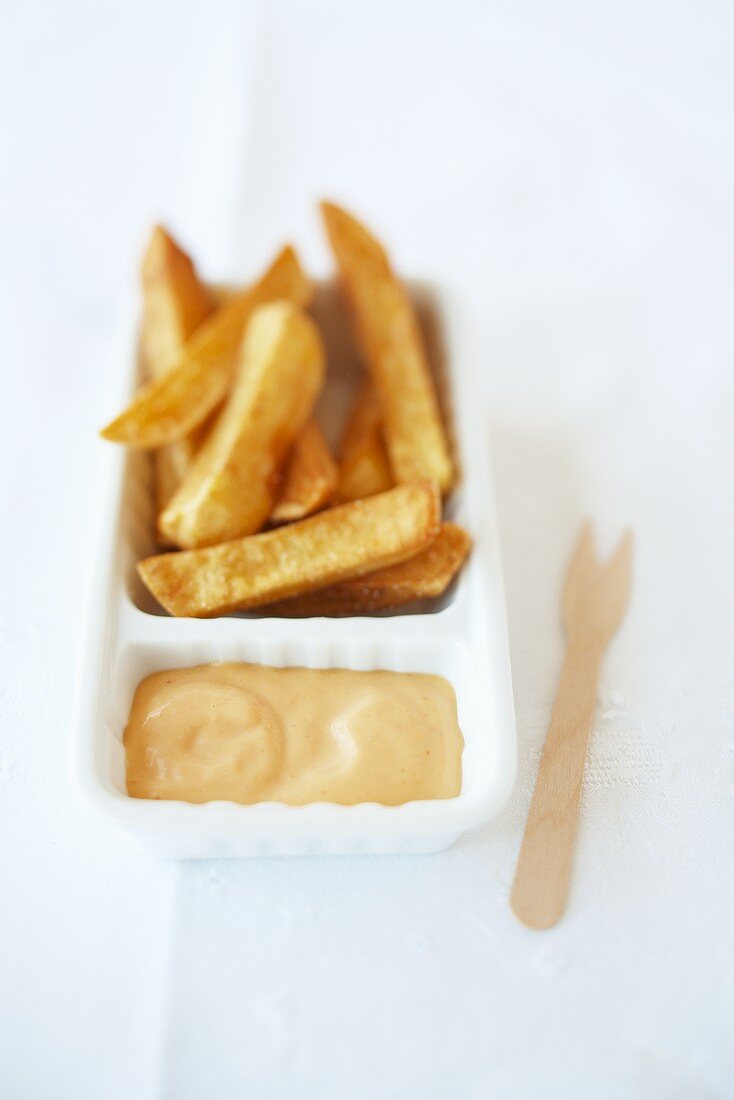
(569, 173)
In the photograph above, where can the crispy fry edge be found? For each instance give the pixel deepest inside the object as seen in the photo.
(426, 576)
(230, 488)
(167, 408)
(168, 576)
(389, 335)
(310, 479)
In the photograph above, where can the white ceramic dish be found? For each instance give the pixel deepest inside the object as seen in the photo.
(463, 638)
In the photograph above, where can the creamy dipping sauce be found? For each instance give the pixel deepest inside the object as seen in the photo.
(247, 733)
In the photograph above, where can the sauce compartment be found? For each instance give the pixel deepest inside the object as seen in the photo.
(268, 828)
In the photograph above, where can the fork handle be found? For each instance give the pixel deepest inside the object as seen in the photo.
(540, 889)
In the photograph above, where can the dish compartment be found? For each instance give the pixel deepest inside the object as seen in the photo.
(344, 374)
(461, 637)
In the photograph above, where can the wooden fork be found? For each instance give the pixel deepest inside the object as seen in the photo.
(595, 599)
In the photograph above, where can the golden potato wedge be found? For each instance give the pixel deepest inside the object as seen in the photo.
(364, 468)
(342, 542)
(175, 302)
(171, 463)
(423, 577)
(169, 407)
(390, 339)
(310, 477)
(232, 484)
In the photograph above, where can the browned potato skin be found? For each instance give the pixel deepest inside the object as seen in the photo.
(230, 488)
(364, 468)
(171, 464)
(425, 576)
(342, 542)
(388, 334)
(310, 477)
(175, 303)
(171, 406)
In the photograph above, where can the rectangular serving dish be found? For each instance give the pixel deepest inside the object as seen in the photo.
(462, 636)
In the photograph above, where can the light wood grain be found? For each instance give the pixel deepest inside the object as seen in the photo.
(595, 599)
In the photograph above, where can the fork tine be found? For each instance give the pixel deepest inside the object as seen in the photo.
(581, 569)
(584, 552)
(618, 570)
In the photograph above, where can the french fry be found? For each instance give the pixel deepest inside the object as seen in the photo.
(171, 463)
(175, 302)
(310, 477)
(231, 486)
(342, 542)
(364, 468)
(423, 577)
(170, 406)
(390, 340)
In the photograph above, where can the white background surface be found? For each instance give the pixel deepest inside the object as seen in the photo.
(568, 170)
